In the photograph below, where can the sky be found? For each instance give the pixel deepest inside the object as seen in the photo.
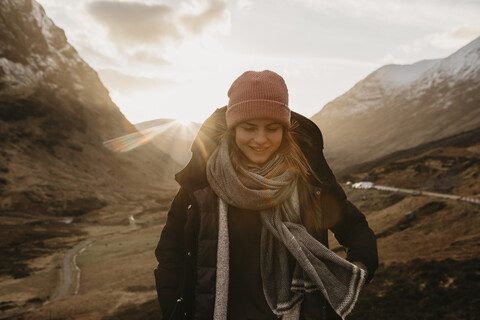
(178, 58)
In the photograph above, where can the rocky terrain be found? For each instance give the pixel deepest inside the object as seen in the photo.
(402, 106)
(55, 115)
(429, 248)
(57, 178)
(448, 165)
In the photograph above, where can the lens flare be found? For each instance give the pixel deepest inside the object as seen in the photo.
(183, 122)
(179, 128)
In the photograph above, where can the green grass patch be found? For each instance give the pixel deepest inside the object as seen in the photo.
(118, 246)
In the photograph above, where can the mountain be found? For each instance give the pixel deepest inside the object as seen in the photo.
(401, 106)
(447, 165)
(423, 239)
(55, 115)
(172, 137)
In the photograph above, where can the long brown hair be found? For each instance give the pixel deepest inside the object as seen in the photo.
(295, 158)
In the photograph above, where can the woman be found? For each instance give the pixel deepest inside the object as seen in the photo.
(246, 236)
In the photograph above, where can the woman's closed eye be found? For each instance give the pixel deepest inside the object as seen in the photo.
(248, 128)
(273, 128)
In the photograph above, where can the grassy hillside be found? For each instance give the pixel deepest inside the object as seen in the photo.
(429, 257)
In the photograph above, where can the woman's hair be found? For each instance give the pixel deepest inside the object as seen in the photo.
(289, 148)
(295, 158)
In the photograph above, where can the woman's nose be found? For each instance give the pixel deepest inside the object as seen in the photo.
(261, 137)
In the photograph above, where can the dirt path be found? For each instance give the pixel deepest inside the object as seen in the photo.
(67, 274)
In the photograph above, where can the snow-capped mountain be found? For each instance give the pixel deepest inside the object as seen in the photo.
(35, 57)
(55, 115)
(377, 87)
(24, 63)
(400, 106)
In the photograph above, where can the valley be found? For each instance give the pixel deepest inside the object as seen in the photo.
(83, 204)
(428, 250)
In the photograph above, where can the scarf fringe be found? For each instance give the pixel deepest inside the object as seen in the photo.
(223, 264)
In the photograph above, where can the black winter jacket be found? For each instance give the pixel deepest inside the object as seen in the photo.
(186, 252)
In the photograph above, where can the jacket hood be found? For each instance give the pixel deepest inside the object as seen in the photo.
(307, 134)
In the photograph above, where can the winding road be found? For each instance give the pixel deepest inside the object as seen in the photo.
(69, 261)
(416, 192)
(66, 279)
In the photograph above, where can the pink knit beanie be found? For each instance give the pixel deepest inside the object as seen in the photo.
(258, 95)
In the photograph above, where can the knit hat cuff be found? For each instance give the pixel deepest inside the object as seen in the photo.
(258, 109)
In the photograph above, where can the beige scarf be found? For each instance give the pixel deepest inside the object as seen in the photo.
(271, 190)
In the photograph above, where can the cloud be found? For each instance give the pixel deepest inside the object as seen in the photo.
(390, 59)
(452, 39)
(434, 13)
(118, 81)
(137, 23)
(245, 3)
(465, 33)
(216, 11)
(148, 57)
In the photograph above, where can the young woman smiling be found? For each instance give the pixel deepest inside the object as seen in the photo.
(258, 139)
(246, 235)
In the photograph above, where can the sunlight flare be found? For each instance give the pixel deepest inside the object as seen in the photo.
(183, 122)
(179, 129)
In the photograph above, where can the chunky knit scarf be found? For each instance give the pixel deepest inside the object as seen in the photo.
(271, 190)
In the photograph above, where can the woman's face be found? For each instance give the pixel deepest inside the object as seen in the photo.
(258, 139)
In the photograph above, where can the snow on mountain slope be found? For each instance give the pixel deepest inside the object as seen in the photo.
(402, 75)
(49, 52)
(371, 92)
(463, 65)
(55, 115)
(398, 107)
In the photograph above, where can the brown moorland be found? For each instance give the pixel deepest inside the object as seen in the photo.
(428, 269)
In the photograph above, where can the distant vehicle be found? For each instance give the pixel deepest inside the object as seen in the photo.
(363, 185)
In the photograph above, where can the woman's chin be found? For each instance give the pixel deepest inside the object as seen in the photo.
(257, 160)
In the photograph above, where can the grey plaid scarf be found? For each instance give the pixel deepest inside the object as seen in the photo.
(271, 190)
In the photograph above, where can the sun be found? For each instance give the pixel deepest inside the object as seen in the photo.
(180, 128)
(183, 122)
